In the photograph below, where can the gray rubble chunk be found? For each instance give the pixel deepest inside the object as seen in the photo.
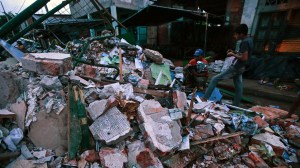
(163, 133)
(111, 127)
(96, 108)
(51, 83)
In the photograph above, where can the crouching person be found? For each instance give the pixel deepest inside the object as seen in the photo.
(196, 72)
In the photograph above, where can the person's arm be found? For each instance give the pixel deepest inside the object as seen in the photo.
(240, 56)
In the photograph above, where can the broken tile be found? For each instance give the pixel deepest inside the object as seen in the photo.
(161, 132)
(111, 127)
(47, 63)
(110, 157)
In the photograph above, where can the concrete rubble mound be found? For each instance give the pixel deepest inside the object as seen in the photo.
(122, 106)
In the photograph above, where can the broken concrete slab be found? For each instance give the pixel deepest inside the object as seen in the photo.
(110, 157)
(19, 108)
(160, 131)
(111, 127)
(270, 139)
(96, 108)
(50, 130)
(139, 156)
(47, 63)
(269, 112)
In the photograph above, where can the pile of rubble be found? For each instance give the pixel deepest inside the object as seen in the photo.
(82, 118)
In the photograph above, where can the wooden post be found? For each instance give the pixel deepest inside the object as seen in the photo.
(120, 63)
(191, 106)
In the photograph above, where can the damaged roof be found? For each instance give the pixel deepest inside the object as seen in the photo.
(154, 15)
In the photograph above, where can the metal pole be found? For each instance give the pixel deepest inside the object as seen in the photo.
(25, 14)
(92, 31)
(205, 36)
(40, 20)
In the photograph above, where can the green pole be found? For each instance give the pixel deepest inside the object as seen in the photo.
(40, 20)
(21, 17)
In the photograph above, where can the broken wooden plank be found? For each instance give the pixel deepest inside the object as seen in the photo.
(217, 138)
(188, 119)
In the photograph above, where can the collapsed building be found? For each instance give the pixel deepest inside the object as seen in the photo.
(104, 102)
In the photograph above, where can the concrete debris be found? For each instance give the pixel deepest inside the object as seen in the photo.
(50, 83)
(111, 127)
(110, 157)
(47, 63)
(96, 108)
(161, 132)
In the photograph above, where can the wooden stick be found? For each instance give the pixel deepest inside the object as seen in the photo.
(120, 63)
(217, 138)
